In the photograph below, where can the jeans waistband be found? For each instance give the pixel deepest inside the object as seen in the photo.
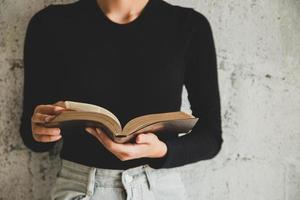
(105, 172)
(110, 177)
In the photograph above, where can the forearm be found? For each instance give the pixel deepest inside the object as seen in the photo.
(193, 147)
(201, 81)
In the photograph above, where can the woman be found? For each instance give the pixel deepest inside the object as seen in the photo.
(133, 58)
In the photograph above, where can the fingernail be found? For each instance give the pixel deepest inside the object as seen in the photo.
(59, 111)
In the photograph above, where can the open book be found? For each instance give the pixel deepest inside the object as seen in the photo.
(89, 115)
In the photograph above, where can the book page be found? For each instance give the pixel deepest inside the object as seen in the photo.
(86, 107)
(176, 120)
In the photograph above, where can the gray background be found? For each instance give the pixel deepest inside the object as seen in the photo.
(258, 45)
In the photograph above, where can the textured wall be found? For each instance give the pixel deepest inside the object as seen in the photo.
(258, 45)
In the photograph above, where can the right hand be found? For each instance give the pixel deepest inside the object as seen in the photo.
(43, 113)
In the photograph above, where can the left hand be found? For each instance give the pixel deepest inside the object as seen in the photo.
(147, 145)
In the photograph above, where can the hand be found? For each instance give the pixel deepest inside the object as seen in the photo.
(43, 113)
(147, 145)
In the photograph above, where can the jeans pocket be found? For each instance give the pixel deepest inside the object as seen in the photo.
(68, 187)
(169, 186)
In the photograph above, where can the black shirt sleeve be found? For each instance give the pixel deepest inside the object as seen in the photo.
(201, 81)
(40, 76)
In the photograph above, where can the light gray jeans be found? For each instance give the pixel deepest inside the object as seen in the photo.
(80, 182)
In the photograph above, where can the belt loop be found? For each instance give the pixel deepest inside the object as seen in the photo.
(91, 182)
(150, 176)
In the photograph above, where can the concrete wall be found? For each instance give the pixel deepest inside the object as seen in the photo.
(258, 45)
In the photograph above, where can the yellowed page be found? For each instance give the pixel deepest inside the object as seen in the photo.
(80, 106)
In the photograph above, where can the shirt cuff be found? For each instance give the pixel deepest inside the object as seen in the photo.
(175, 152)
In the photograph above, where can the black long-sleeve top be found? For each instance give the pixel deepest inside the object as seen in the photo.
(75, 52)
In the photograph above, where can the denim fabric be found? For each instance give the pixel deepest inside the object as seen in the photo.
(79, 182)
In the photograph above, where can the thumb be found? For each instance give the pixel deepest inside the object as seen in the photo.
(60, 103)
(144, 138)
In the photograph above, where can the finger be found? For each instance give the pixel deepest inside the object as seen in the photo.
(60, 103)
(133, 151)
(63, 104)
(99, 134)
(145, 138)
(49, 109)
(125, 151)
(108, 142)
(105, 139)
(46, 138)
(41, 118)
(40, 130)
(92, 131)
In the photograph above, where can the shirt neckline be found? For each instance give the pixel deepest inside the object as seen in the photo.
(139, 19)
